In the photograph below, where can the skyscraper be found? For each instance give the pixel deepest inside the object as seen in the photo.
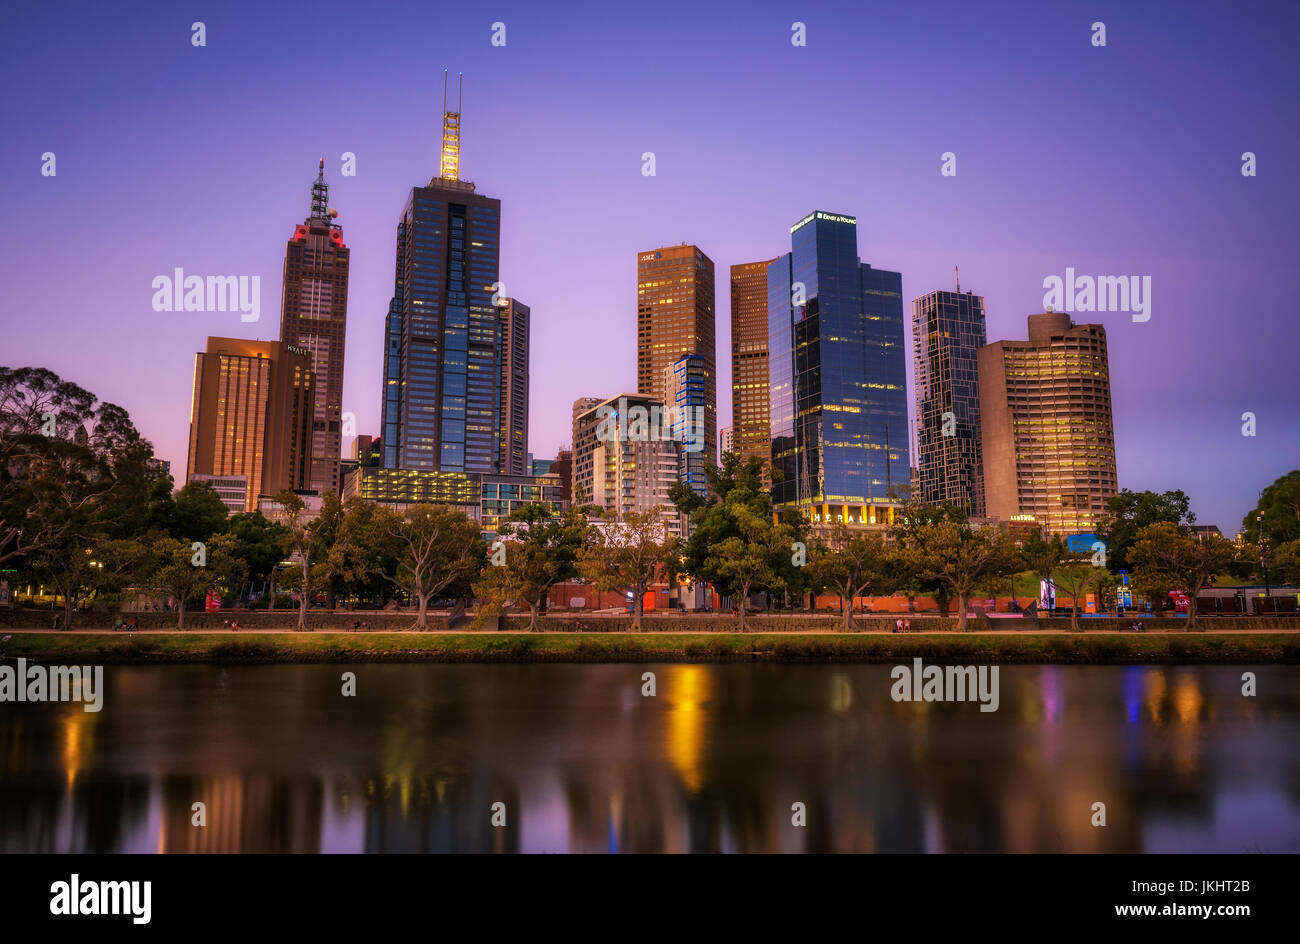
(751, 415)
(618, 470)
(947, 333)
(837, 375)
(1047, 432)
(513, 435)
(313, 315)
(686, 397)
(442, 386)
(251, 415)
(675, 316)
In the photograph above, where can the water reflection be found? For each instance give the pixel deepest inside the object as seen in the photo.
(713, 762)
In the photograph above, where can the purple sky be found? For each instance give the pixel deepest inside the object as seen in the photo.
(1123, 160)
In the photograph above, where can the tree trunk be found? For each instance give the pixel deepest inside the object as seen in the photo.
(422, 619)
(302, 602)
(740, 610)
(1191, 611)
(638, 606)
(1074, 615)
(962, 601)
(180, 613)
(67, 611)
(846, 608)
(534, 608)
(272, 590)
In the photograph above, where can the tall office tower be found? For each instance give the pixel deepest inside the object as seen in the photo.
(251, 415)
(314, 315)
(838, 377)
(442, 388)
(1048, 437)
(618, 472)
(675, 316)
(513, 457)
(751, 418)
(947, 333)
(687, 399)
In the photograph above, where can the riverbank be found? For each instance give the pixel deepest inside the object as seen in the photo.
(1001, 648)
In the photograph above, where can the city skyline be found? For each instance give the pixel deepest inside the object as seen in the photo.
(1138, 198)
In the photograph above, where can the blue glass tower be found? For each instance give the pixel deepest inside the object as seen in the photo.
(837, 376)
(443, 352)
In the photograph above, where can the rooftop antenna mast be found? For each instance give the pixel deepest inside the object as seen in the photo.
(320, 194)
(450, 162)
(957, 269)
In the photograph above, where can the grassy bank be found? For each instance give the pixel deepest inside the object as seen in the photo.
(1079, 649)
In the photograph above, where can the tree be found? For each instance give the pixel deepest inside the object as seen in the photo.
(259, 544)
(627, 555)
(304, 543)
(1129, 512)
(540, 549)
(1286, 562)
(1167, 557)
(173, 567)
(437, 547)
(960, 557)
(1073, 576)
(197, 513)
(1277, 516)
(746, 562)
(849, 561)
(913, 520)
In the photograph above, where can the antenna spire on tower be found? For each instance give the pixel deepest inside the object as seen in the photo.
(957, 269)
(450, 161)
(320, 194)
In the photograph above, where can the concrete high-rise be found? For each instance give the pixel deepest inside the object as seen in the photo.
(1047, 432)
(513, 434)
(313, 316)
(947, 333)
(837, 373)
(676, 315)
(751, 428)
(442, 386)
(251, 415)
(620, 470)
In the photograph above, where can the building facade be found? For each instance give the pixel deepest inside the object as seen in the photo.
(751, 409)
(676, 316)
(251, 415)
(313, 316)
(442, 387)
(619, 470)
(726, 441)
(231, 489)
(837, 374)
(1047, 433)
(686, 397)
(514, 458)
(948, 330)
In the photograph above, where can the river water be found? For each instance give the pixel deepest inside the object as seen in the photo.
(718, 759)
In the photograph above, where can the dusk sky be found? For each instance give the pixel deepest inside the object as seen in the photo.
(1121, 160)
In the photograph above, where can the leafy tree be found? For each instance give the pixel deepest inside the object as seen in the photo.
(628, 555)
(849, 561)
(259, 543)
(1286, 562)
(914, 519)
(1129, 512)
(305, 543)
(541, 549)
(197, 513)
(1276, 517)
(1074, 575)
(1167, 557)
(746, 562)
(169, 568)
(960, 557)
(437, 547)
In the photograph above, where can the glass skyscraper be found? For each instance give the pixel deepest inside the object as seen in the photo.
(838, 376)
(443, 348)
